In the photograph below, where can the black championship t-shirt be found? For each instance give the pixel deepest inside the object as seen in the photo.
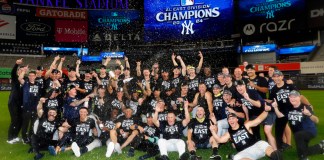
(82, 129)
(241, 138)
(46, 128)
(281, 94)
(171, 131)
(127, 122)
(200, 131)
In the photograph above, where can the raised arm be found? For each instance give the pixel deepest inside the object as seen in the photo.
(209, 99)
(60, 66)
(138, 68)
(222, 139)
(126, 62)
(77, 68)
(22, 74)
(255, 103)
(257, 121)
(40, 110)
(173, 58)
(187, 116)
(200, 62)
(108, 59)
(156, 116)
(183, 66)
(14, 75)
(307, 112)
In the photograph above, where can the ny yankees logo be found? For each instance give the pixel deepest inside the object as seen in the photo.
(187, 27)
(270, 14)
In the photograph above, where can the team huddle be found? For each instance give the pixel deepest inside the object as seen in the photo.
(159, 110)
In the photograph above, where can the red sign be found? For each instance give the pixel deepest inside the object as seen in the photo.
(281, 66)
(62, 13)
(71, 31)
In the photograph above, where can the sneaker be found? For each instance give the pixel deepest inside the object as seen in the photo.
(146, 156)
(51, 150)
(38, 156)
(30, 150)
(322, 146)
(11, 141)
(17, 139)
(163, 157)
(131, 152)
(117, 148)
(76, 149)
(185, 156)
(110, 149)
(215, 157)
(285, 146)
(26, 141)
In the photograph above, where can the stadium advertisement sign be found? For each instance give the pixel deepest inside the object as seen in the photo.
(259, 48)
(312, 67)
(71, 31)
(187, 19)
(316, 13)
(5, 72)
(114, 26)
(39, 29)
(294, 66)
(7, 27)
(271, 16)
(62, 13)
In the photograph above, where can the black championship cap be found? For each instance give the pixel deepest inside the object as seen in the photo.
(239, 82)
(249, 66)
(231, 115)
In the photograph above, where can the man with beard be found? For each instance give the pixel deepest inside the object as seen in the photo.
(14, 104)
(172, 131)
(54, 101)
(166, 85)
(46, 127)
(124, 133)
(256, 82)
(246, 144)
(199, 135)
(208, 78)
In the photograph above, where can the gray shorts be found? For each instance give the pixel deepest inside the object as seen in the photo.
(257, 151)
(270, 120)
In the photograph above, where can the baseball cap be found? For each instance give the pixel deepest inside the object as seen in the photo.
(120, 89)
(249, 66)
(117, 68)
(294, 93)
(40, 68)
(220, 74)
(165, 70)
(216, 86)
(239, 82)
(88, 71)
(277, 72)
(55, 71)
(70, 88)
(150, 114)
(231, 115)
(228, 92)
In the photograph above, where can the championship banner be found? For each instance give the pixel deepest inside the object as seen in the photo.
(71, 31)
(114, 26)
(35, 29)
(7, 27)
(173, 20)
(315, 13)
(62, 13)
(264, 17)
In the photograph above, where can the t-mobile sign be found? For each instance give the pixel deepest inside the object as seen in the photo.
(71, 31)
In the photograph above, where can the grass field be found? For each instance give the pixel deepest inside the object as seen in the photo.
(19, 151)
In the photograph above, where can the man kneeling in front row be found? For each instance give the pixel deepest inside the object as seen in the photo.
(246, 144)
